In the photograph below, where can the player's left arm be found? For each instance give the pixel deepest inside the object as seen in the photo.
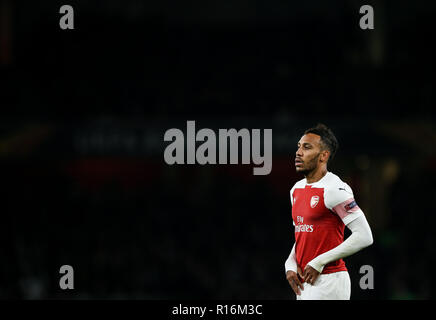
(361, 237)
(355, 220)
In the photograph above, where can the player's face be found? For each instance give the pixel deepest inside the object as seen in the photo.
(308, 153)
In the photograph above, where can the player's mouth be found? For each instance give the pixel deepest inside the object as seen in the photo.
(298, 162)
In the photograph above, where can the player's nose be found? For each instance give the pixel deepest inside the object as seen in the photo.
(298, 153)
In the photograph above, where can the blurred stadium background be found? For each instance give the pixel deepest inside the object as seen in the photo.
(84, 182)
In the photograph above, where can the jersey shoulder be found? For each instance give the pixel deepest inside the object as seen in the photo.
(336, 191)
(299, 184)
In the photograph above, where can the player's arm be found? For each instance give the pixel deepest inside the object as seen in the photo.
(361, 237)
(292, 271)
(291, 262)
(341, 201)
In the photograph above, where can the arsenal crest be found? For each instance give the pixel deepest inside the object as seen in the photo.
(314, 201)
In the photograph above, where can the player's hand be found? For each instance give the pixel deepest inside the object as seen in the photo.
(294, 281)
(310, 274)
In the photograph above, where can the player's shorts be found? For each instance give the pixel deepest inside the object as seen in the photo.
(330, 286)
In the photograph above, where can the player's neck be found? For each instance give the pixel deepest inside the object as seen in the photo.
(316, 175)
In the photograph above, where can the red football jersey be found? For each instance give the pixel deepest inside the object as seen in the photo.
(320, 211)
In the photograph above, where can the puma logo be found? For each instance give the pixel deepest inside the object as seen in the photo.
(345, 190)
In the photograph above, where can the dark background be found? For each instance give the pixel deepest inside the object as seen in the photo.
(84, 111)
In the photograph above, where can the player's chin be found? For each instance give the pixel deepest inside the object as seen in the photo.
(301, 169)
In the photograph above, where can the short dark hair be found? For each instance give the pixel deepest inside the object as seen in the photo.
(328, 139)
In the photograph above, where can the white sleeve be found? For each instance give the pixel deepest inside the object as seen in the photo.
(292, 201)
(291, 262)
(360, 238)
(339, 198)
(290, 194)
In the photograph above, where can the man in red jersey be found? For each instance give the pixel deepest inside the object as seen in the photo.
(322, 205)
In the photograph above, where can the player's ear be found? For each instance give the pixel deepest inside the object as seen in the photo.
(325, 154)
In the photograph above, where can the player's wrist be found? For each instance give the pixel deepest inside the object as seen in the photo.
(290, 265)
(318, 266)
(290, 268)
